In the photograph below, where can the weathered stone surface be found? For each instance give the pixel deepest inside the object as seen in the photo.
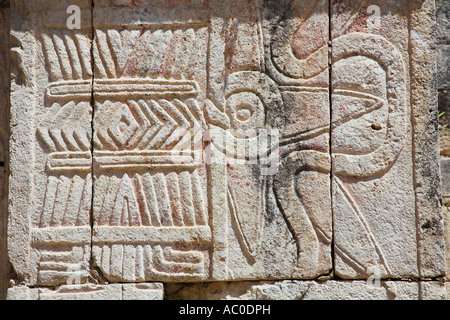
(446, 213)
(444, 121)
(309, 290)
(443, 83)
(150, 212)
(22, 293)
(147, 291)
(445, 173)
(443, 22)
(431, 244)
(5, 267)
(443, 60)
(433, 290)
(190, 141)
(381, 219)
(443, 65)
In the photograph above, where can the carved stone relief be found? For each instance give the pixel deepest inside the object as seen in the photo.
(191, 141)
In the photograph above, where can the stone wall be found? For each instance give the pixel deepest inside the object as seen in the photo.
(186, 149)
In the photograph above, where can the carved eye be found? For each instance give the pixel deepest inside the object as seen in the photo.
(244, 112)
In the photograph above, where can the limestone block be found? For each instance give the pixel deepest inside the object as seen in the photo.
(143, 291)
(50, 182)
(147, 291)
(309, 290)
(431, 244)
(446, 212)
(433, 290)
(22, 293)
(385, 186)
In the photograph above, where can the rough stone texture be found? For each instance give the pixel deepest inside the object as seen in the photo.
(443, 22)
(5, 267)
(145, 291)
(309, 290)
(371, 142)
(445, 173)
(191, 141)
(430, 231)
(443, 56)
(443, 66)
(443, 47)
(443, 41)
(379, 215)
(433, 290)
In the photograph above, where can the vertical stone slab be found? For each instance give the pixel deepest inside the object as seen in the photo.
(373, 186)
(50, 183)
(215, 159)
(431, 246)
(443, 86)
(151, 218)
(5, 269)
(385, 186)
(296, 35)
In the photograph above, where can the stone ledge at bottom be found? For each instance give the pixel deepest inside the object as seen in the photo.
(245, 290)
(144, 291)
(308, 290)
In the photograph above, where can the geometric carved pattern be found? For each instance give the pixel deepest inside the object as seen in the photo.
(145, 262)
(57, 264)
(158, 199)
(147, 124)
(67, 202)
(150, 184)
